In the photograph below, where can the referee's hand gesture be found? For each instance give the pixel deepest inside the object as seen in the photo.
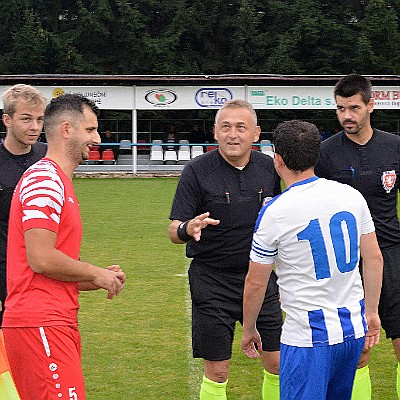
(195, 225)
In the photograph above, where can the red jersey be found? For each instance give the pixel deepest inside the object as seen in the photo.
(44, 198)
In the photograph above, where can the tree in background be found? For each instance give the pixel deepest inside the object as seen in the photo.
(198, 37)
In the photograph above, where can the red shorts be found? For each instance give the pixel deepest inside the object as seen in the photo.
(46, 362)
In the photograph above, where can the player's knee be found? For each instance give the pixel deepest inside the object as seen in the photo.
(273, 368)
(364, 359)
(217, 371)
(270, 361)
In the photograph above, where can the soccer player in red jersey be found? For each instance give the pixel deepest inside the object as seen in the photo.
(44, 270)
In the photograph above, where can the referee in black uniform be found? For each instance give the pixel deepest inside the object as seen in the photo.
(214, 211)
(369, 160)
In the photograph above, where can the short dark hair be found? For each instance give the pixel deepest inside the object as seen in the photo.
(298, 143)
(353, 84)
(70, 103)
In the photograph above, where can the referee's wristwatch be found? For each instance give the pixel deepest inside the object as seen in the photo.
(182, 232)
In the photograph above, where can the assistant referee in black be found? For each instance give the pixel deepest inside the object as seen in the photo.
(214, 211)
(369, 160)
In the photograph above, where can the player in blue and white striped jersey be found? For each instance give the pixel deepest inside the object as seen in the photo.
(314, 232)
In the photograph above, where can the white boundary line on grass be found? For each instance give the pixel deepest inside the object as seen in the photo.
(195, 369)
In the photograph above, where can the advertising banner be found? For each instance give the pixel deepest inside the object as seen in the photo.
(291, 97)
(186, 97)
(313, 97)
(105, 97)
(213, 97)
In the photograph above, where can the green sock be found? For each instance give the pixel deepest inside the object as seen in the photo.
(7, 388)
(398, 380)
(211, 390)
(362, 385)
(270, 389)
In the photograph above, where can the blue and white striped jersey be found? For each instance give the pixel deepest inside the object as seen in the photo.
(312, 232)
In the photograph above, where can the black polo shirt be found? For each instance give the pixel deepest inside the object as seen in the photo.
(210, 184)
(11, 169)
(373, 169)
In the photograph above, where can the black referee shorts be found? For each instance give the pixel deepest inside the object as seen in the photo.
(389, 304)
(217, 304)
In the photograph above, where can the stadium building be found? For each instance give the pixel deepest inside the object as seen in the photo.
(139, 110)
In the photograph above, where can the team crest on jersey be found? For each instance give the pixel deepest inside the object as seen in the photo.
(266, 200)
(388, 180)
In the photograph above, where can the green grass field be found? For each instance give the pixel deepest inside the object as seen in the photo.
(137, 346)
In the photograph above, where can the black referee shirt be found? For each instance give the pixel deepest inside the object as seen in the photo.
(373, 169)
(209, 183)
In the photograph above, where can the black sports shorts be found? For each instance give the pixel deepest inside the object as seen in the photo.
(217, 304)
(389, 304)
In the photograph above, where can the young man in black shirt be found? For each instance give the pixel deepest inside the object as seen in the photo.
(23, 113)
(369, 160)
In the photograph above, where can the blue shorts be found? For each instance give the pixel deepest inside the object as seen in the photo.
(323, 372)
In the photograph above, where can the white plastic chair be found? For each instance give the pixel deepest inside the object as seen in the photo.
(170, 157)
(197, 151)
(183, 154)
(156, 155)
(268, 151)
(125, 144)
